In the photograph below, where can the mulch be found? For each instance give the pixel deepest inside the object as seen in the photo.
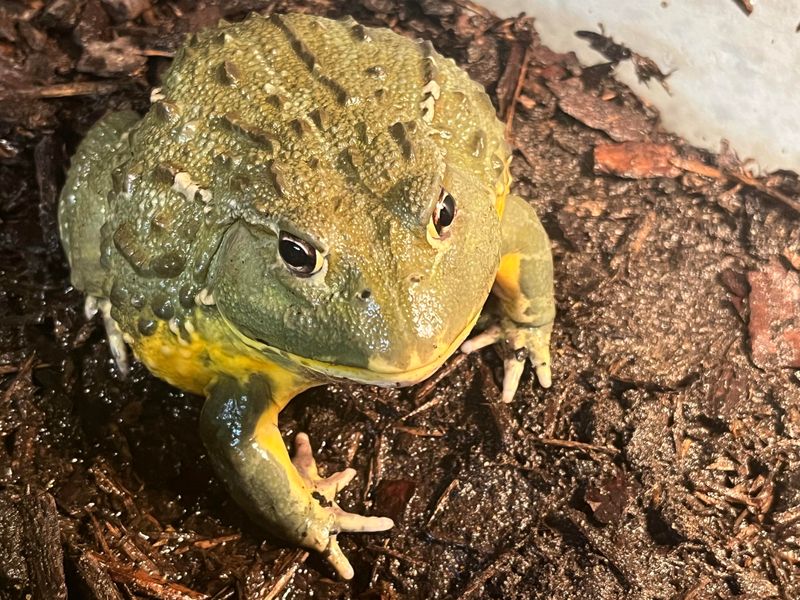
(663, 463)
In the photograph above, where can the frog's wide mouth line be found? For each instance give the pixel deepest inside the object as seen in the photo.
(376, 373)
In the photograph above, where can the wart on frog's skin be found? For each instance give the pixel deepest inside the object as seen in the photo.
(306, 200)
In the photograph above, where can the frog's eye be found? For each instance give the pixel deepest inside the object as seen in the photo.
(300, 257)
(444, 213)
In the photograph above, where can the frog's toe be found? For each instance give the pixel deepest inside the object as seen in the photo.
(537, 341)
(303, 459)
(489, 336)
(518, 344)
(331, 485)
(336, 558)
(116, 343)
(352, 523)
(305, 464)
(90, 307)
(513, 368)
(345, 522)
(544, 375)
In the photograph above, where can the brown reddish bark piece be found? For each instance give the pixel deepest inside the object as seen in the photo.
(392, 496)
(621, 123)
(774, 317)
(609, 498)
(636, 160)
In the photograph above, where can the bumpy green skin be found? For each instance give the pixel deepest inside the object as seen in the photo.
(340, 134)
(278, 143)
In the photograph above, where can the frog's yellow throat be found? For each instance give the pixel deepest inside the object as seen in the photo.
(214, 347)
(198, 357)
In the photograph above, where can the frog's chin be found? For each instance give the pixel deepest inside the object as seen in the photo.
(383, 373)
(377, 372)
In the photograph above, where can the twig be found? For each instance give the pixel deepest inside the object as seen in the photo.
(396, 555)
(146, 583)
(352, 448)
(375, 466)
(62, 90)
(289, 568)
(700, 168)
(100, 538)
(442, 500)
(418, 431)
(481, 578)
(156, 52)
(745, 5)
(431, 384)
(214, 542)
(512, 107)
(436, 400)
(576, 445)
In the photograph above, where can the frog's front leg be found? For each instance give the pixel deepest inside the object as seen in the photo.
(239, 426)
(524, 288)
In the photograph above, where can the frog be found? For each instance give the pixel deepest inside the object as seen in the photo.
(305, 201)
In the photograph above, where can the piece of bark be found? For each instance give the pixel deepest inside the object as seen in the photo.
(96, 578)
(126, 10)
(774, 317)
(622, 124)
(47, 160)
(107, 59)
(636, 160)
(392, 497)
(608, 498)
(13, 570)
(43, 553)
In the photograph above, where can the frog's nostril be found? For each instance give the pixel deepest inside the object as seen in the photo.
(415, 278)
(365, 294)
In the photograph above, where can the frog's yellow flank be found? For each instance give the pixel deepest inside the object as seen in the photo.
(306, 200)
(507, 278)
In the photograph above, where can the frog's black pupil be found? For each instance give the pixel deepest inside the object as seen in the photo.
(445, 213)
(297, 255)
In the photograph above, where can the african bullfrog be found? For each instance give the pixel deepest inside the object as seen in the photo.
(306, 200)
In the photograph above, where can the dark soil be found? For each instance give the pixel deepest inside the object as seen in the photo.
(663, 463)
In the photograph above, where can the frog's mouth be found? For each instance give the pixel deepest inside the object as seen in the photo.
(377, 372)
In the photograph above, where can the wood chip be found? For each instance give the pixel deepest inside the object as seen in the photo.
(43, 552)
(622, 124)
(774, 323)
(636, 160)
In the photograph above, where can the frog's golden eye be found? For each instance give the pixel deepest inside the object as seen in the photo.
(298, 255)
(444, 213)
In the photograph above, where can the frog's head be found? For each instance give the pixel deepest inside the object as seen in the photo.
(373, 265)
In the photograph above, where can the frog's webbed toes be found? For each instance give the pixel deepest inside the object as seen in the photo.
(518, 343)
(324, 489)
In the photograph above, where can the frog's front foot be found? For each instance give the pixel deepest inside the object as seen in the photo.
(287, 496)
(324, 490)
(518, 342)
